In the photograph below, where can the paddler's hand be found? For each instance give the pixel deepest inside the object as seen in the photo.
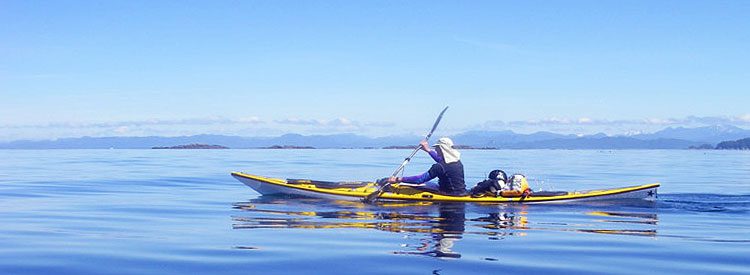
(394, 180)
(425, 145)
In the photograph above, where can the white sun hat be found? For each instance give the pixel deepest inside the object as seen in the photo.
(446, 146)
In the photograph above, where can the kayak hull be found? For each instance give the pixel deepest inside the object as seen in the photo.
(267, 187)
(274, 186)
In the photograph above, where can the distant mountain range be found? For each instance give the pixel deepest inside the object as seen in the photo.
(669, 138)
(709, 134)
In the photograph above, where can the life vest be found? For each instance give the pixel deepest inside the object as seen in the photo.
(519, 187)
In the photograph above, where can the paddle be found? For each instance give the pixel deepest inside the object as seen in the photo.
(372, 197)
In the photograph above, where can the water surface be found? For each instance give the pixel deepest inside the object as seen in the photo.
(175, 211)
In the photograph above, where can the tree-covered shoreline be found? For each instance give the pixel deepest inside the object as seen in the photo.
(740, 144)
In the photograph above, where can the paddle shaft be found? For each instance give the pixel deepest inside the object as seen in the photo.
(374, 195)
(408, 159)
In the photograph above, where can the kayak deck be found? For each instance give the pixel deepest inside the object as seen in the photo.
(355, 191)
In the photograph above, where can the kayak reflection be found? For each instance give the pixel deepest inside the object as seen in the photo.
(435, 229)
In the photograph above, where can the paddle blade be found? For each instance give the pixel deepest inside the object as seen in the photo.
(372, 197)
(437, 121)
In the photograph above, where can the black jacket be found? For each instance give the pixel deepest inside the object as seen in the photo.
(450, 177)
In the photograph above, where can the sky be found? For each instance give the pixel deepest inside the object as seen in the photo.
(376, 68)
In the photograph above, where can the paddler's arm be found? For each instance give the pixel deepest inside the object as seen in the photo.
(435, 156)
(421, 178)
(426, 147)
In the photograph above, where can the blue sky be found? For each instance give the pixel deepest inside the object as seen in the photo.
(255, 68)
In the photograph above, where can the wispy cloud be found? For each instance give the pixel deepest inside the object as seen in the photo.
(298, 121)
(139, 123)
(709, 120)
(337, 122)
(249, 126)
(585, 121)
(620, 126)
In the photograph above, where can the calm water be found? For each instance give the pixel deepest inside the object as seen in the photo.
(167, 211)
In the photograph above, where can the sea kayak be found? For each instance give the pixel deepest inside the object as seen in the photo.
(355, 191)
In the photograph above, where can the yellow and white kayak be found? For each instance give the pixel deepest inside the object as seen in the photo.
(355, 191)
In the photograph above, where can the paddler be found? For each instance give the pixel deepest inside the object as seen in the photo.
(447, 168)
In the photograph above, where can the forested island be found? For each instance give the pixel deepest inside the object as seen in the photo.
(287, 147)
(192, 146)
(740, 144)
